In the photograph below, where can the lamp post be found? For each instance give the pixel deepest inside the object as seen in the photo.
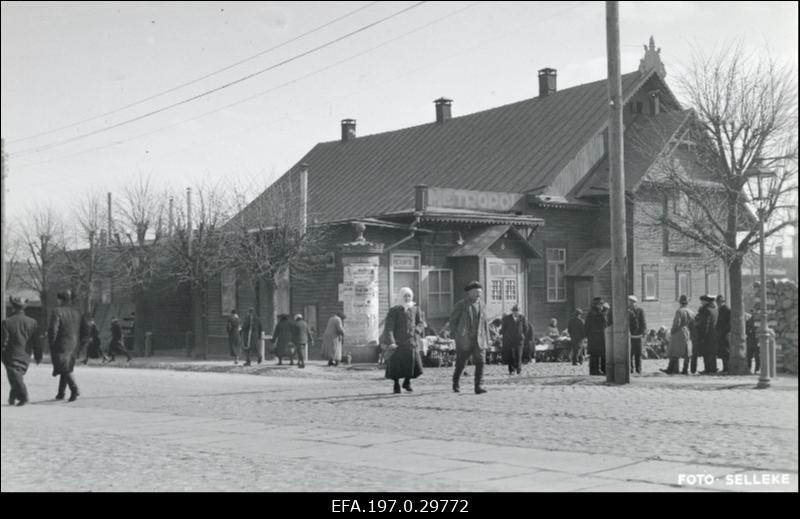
(761, 176)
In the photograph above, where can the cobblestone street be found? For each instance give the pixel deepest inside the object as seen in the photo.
(212, 426)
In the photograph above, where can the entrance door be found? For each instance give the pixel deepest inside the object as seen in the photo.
(503, 284)
(583, 295)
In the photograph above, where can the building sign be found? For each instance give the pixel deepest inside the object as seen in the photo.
(446, 198)
(359, 293)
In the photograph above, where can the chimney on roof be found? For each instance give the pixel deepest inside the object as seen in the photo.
(348, 129)
(443, 109)
(547, 81)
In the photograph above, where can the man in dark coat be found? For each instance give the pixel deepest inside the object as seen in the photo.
(723, 332)
(302, 339)
(117, 345)
(706, 333)
(637, 327)
(469, 328)
(251, 336)
(515, 332)
(234, 328)
(576, 328)
(66, 331)
(94, 349)
(20, 336)
(595, 330)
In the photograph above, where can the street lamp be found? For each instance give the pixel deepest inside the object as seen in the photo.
(763, 178)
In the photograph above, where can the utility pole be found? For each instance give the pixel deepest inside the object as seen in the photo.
(3, 235)
(618, 352)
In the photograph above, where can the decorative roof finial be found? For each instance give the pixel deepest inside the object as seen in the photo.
(652, 60)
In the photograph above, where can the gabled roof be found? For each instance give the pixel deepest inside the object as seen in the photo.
(481, 239)
(517, 148)
(644, 138)
(592, 262)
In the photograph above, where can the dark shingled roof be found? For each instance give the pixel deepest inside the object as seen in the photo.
(513, 148)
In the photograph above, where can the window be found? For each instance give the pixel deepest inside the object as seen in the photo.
(228, 282)
(712, 280)
(405, 273)
(683, 283)
(650, 282)
(680, 204)
(440, 293)
(556, 268)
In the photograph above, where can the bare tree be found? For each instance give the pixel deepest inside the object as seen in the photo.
(138, 258)
(84, 264)
(745, 118)
(43, 237)
(197, 251)
(273, 241)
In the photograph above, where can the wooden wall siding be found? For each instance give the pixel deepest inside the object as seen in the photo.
(577, 168)
(648, 250)
(575, 230)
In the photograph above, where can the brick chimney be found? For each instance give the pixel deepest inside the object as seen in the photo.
(443, 109)
(348, 129)
(547, 81)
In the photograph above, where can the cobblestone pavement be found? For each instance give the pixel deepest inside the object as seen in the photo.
(213, 426)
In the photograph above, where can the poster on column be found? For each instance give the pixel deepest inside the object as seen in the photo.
(360, 298)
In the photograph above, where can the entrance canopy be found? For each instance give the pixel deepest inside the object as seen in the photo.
(479, 240)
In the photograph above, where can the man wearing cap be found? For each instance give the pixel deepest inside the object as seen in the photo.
(595, 328)
(251, 336)
(66, 332)
(706, 335)
(680, 339)
(302, 339)
(515, 332)
(469, 328)
(637, 327)
(20, 335)
(723, 332)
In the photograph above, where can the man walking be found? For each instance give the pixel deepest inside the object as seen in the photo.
(251, 336)
(20, 336)
(637, 327)
(117, 345)
(723, 332)
(234, 328)
(301, 337)
(576, 328)
(66, 332)
(514, 330)
(469, 328)
(595, 329)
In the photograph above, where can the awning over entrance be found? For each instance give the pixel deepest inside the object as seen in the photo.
(481, 239)
(590, 263)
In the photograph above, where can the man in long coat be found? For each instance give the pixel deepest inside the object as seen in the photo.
(680, 338)
(251, 336)
(723, 332)
(637, 326)
(706, 334)
(282, 337)
(333, 338)
(234, 327)
(66, 331)
(515, 332)
(20, 336)
(469, 328)
(595, 328)
(117, 344)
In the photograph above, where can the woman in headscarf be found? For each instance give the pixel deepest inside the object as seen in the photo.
(403, 327)
(333, 338)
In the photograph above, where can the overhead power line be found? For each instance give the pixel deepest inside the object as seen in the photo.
(254, 96)
(193, 81)
(38, 149)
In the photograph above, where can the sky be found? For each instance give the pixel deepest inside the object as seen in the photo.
(107, 66)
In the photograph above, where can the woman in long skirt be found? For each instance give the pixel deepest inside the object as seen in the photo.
(403, 327)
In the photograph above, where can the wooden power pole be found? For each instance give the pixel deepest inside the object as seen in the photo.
(3, 235)
(618, 356)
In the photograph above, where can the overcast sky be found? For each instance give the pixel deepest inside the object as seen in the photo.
(66, 62)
